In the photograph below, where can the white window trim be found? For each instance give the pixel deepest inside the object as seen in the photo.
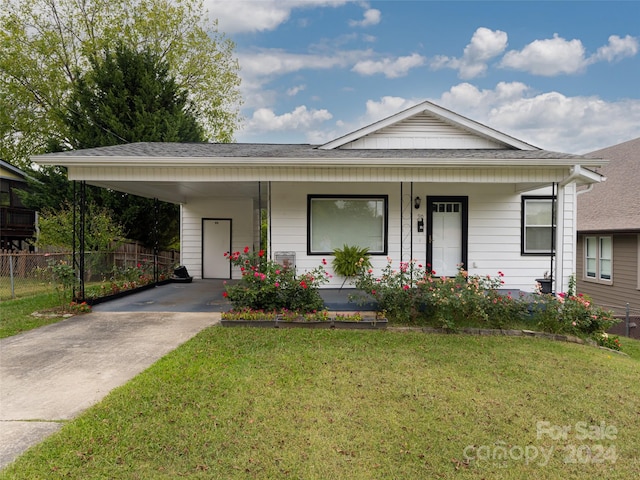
(598, 279)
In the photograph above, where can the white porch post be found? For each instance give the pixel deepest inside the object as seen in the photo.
(560, 244)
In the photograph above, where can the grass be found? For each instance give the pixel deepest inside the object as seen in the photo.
(334, 404)
(16, 315)
(23, 287)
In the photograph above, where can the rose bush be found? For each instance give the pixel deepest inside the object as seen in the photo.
(266, 285)
(414, 294)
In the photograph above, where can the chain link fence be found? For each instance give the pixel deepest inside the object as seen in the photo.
(24, 274)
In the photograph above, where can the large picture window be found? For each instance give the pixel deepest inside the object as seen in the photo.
(598, 259)
(538, 226)
(357, 220)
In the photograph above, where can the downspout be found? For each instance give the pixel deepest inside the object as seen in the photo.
(576, 171)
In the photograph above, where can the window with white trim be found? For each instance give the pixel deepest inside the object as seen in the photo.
(538, 226)
(354, 220)
(598, 258)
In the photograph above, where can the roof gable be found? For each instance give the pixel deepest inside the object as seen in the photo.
(427, 126)
(9, 171)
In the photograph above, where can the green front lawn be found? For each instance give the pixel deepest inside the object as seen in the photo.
(16, 315)
(335, 404)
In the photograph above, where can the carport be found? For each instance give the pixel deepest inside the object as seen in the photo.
(205, 295)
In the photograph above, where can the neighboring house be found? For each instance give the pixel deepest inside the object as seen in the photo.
(424, 184)
(608, 265)
(17, 223)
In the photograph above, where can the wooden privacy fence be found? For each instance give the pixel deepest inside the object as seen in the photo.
(24, 273)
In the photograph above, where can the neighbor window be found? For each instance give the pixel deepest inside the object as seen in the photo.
(336, 221)
(538, 226)
(598, 255)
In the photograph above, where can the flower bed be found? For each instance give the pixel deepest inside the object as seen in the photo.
(412, 294)
(295, 319)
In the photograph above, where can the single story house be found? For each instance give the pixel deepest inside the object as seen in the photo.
(608, 248)
(425, 184)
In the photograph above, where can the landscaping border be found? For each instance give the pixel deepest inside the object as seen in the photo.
(509, 333)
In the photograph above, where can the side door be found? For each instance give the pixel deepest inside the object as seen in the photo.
(216, 240)
(447, 236)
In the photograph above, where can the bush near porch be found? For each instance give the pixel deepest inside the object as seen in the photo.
(413, 294)
(269, 287)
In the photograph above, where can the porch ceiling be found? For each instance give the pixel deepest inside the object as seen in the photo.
(180, 192)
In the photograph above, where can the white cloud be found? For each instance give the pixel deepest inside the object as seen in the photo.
(258, 15)
(390, 67)
(617, 49)
(548, 120)
(273, 62)
(549, 57)
(265, 120)
(557, 56)
(293, 91)
(485, 44)
(371, 16)
(259, 67)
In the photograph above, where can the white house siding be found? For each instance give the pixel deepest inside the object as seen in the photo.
(422, 131)
(494, 227)
(239, 210)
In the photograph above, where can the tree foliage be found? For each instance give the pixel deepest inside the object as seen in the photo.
(56, 228)
(48, 45)
(129, 96)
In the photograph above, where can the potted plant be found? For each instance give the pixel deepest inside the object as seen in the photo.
(349, 260)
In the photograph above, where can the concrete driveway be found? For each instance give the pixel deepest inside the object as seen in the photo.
(51, 374)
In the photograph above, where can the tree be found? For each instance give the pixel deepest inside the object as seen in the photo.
(129, 96)
(56, 228)
(47, 45)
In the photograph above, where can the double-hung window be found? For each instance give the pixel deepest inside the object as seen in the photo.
(538, 226)
(598, 258)
(354, 220)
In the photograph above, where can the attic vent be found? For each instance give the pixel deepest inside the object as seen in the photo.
(285, 259)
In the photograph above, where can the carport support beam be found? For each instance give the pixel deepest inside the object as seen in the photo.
(156, 224)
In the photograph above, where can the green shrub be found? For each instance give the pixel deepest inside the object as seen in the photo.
(413, 294)
(266, 285)
(571, 314)
(395, 290)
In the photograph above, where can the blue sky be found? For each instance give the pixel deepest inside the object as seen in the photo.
(563, 76)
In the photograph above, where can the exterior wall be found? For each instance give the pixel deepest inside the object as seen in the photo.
(494, 227)
(240, 211)
(625, 287)
(422, 131)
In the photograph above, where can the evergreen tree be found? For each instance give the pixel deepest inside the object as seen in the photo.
(127, 97)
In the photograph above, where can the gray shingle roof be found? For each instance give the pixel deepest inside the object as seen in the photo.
(615, 204)
(301, 151)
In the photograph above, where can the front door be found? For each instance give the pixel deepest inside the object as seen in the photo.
(447, 234)
(216, 241)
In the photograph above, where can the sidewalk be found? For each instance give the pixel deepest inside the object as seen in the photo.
(51, 374)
